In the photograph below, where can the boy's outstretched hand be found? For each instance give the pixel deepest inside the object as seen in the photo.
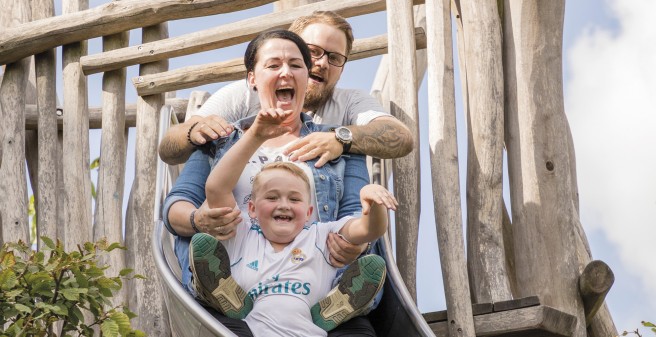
(375, 194)
(269, 123)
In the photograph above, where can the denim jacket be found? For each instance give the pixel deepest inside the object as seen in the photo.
(337, 184)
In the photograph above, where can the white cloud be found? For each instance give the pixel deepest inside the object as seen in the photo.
(611, 105)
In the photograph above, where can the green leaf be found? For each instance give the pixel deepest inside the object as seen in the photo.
(8, 279)
(648, 324)
(115, 245)
(109, 328)
(48, 242)
(123, 322)
(125, 272)
(22, 308)
(73, 294)
(94, 164)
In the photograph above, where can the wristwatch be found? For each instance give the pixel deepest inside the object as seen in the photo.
(345, 137)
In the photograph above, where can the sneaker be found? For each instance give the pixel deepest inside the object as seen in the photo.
(353, 294)
(212, 280)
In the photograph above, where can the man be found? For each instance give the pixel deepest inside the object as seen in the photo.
(369, 130)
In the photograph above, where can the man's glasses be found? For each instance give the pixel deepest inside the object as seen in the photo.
(335, 59)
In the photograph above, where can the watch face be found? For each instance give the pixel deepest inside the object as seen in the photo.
(343, 134)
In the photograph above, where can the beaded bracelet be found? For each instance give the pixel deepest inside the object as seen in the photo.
(193, 223)
(189, 134)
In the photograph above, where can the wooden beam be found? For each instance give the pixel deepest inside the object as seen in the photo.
(539, 320)
(110, 18)
(594, 283)
(221, 36)
(95, 114)
(193, 76)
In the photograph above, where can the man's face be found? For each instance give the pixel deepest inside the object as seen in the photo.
(323, 76)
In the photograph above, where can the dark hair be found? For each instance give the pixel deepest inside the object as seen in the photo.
(327, 17)
(250, 57)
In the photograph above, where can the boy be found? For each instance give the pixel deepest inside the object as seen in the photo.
(281, 260)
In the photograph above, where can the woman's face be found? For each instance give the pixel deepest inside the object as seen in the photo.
(280, 75)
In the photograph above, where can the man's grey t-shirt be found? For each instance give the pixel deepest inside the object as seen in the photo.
(346, 107)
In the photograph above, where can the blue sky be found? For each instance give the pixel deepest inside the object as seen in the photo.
(609, 79)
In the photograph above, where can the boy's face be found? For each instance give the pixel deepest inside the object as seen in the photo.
(281, 204)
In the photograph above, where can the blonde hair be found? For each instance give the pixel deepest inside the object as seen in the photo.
(291, 168)
(329, 18)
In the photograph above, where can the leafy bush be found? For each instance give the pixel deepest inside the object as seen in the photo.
(41, 288)
(637, 332)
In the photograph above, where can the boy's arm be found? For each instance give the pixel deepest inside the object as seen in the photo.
(373, 222)
(226, 173)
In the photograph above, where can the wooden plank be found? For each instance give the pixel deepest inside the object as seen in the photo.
(516, 303)
(145, 296)
(403, 105)
(539, 162)
(193, 76)
(476, 309)
(483, 55)
(47, 212)
(445, 183)
(110, 18)
(77, 185)
(12, 136)
(537, 321)
(95, 114)
(108, 221)
(221, 36)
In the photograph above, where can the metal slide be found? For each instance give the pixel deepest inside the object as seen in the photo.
(397, 314)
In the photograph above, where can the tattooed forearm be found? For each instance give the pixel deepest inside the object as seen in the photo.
(384, 137)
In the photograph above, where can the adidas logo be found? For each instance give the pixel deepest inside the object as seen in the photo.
(252, 265)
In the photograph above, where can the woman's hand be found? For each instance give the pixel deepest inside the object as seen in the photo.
(268, 123)
(219, 222)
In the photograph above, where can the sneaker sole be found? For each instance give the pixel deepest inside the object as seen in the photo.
(210, 266)
(353, 295)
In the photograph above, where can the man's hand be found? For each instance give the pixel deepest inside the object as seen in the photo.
(316, 144)
(341, 251)
(209, 128)
(219, 222)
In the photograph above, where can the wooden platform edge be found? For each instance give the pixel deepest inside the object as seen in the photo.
(541, 320)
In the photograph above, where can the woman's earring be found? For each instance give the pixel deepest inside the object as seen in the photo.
(254, 88)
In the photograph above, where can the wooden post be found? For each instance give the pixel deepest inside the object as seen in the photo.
(485, 252)
(442, 139)
(49, 163)
(77, 182)
(539, 163)
(13, 208)
(145, 295)
(403, 105)
(108, 222)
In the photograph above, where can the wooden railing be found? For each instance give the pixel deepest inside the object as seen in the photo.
(510, 65)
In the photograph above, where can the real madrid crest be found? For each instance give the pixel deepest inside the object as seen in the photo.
(297, 256)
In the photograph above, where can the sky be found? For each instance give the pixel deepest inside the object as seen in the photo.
(609, 65)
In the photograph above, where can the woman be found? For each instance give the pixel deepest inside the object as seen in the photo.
(279, 73)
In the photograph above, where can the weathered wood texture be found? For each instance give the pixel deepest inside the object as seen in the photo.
(444, 167)
(536, 321)
(539, 164)
(111, 18)
(221, 36)
(193, 76)
(95, 114)
(108, 220)
(403, 105)
(49, 163)
(483, 56)
(77, 182)
(13, 209)
(144, 296)
(594, 284)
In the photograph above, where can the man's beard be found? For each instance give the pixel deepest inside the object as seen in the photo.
(317, 96)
